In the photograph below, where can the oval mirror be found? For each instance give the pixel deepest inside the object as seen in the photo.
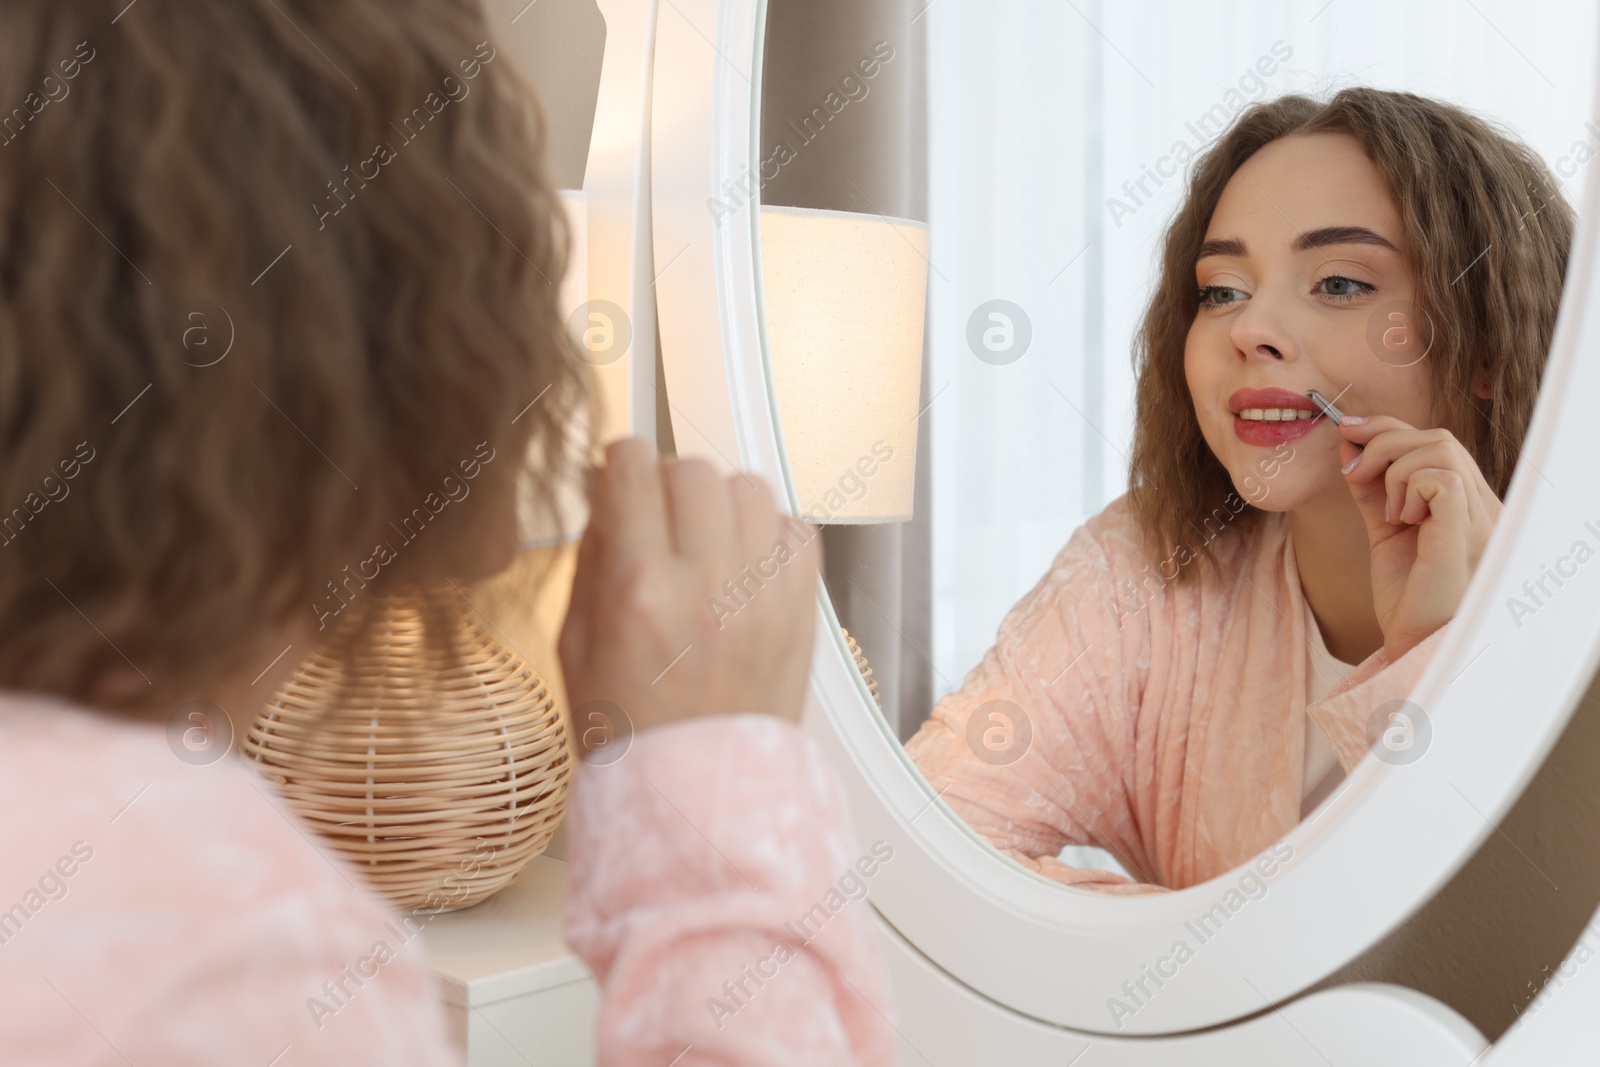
(1113, 663)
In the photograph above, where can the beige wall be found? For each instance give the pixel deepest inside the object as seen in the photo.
(1488, 940)
(870, 157)
(558, 45)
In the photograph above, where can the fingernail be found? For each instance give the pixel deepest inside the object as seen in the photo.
(1385, 511)
(1348, 467)
(1355, 420)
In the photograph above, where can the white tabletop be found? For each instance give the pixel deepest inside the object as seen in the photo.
(510, 945)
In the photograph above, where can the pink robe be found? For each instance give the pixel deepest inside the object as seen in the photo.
(1168, 726)
(717, 894)
(156, 912)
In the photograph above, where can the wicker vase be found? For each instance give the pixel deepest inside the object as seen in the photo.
(440, 783)
(862, 665)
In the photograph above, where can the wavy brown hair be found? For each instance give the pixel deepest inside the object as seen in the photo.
(180, 181)
(1462, 187)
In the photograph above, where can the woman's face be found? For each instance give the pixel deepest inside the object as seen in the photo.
(1304, 283)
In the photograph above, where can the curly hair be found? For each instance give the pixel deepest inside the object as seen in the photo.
(1462, 187)
(274, 276)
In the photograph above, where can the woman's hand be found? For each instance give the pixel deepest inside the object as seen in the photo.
(1429, 514)
(690, 598)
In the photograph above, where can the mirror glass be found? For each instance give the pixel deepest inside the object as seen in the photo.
(1083, 522)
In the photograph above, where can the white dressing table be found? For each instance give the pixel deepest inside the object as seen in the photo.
(515, 994)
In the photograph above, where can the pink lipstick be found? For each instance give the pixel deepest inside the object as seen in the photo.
(1271, 416)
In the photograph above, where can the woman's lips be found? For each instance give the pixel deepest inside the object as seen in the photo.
(1256, 432)
(1261, 432)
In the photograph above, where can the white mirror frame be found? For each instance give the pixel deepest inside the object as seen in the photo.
(617, 187)
(1381, 849)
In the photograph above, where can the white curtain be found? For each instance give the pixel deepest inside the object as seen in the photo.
(1039, 112)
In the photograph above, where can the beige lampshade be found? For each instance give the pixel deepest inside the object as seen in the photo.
(844, 296)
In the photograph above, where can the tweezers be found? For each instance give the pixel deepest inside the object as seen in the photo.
(1329, 410)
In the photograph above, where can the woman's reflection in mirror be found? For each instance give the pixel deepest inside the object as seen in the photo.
(1209, 655)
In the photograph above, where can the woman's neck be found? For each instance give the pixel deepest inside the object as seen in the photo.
(1334, 558)
(122, 693)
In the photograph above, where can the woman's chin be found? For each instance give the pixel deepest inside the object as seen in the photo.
(1262, 503)
(1281, 494)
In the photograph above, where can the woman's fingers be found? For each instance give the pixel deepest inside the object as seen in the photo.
(628, 514)
(1397, 453)
(1435, 491)
(755, 516)
(1381, 439)
(1369, 427)
(1382, 447)
(1425, 484)
(1438, 457)
(684, 603)
(626, 536)
(1427, 453)
(699, 513)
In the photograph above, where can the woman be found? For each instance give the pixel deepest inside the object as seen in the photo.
(271, 273)
(1209, 655)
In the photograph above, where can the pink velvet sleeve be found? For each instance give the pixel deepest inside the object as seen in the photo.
(717, 894)
(1073, 670)
(1376, 687)
(200, 922)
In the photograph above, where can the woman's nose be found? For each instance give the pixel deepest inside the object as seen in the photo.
(1258, 331)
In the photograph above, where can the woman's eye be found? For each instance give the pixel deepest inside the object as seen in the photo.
(1213, 296)
(1343, 288)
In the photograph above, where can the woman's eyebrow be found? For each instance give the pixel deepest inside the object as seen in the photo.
(1222, 246)
(1341, 235)
(1306, 242)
